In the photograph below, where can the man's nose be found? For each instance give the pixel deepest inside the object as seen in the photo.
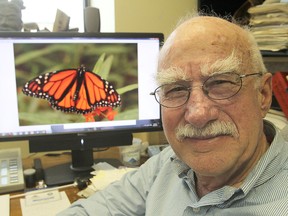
(199, 108)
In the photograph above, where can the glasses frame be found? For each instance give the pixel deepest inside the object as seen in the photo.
(189, 89)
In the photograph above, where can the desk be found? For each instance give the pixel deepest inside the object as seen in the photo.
(48, 161)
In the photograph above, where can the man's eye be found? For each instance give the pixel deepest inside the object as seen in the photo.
(220, 82)
(177, 89)
(176, 92)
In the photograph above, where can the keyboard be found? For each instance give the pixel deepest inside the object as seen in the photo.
(11, 171)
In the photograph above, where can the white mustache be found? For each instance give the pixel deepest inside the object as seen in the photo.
(212, 129)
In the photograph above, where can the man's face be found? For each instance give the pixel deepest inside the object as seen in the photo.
(215, 155)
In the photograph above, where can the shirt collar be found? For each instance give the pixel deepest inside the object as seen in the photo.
(180, 167)
(271, 162)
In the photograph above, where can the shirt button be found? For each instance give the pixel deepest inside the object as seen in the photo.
(196, 210)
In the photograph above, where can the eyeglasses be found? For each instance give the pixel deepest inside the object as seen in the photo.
(217, 87)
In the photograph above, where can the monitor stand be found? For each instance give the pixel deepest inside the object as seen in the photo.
(82, 154)
(81, 167)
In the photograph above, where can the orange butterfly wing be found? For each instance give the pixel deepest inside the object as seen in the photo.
(73, 90)
(100, 91)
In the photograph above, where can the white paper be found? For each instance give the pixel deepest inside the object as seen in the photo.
(102, 178)
(51, 207)
(5, 205)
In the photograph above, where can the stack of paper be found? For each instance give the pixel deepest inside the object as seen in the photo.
(104, 175)
(269, 24)
(277, 118)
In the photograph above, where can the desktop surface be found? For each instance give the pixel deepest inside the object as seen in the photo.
(50, 161)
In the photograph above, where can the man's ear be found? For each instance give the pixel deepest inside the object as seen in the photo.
(266, 93)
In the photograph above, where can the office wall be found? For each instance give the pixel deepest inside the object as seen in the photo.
(150, 15)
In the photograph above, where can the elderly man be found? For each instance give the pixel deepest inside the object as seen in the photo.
(224, 158)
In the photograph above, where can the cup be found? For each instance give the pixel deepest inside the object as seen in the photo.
(30, 177)
(130, 155)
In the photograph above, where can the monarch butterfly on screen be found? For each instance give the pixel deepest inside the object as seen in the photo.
(73, 90)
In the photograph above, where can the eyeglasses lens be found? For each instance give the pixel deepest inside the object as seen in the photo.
(222, 86)
(217, 87)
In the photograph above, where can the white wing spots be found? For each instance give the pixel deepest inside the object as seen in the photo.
(111, 91)
(38, 81)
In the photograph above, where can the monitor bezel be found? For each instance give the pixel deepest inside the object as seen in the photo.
(85, 134)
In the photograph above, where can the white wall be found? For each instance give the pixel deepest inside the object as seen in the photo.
(107, 14)
(44, 12)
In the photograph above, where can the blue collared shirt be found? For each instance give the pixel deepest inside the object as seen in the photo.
(165, 186)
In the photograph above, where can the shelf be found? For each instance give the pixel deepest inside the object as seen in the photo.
(282, 53)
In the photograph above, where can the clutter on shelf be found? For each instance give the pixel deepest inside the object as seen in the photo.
(269, 25)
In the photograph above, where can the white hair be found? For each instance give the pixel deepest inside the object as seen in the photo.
(255, 62)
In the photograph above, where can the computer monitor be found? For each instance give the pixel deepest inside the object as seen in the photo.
(77, 91)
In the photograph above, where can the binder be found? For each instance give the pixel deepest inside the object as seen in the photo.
(280, 90)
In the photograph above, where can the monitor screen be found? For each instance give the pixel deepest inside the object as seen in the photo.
(77, 91)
